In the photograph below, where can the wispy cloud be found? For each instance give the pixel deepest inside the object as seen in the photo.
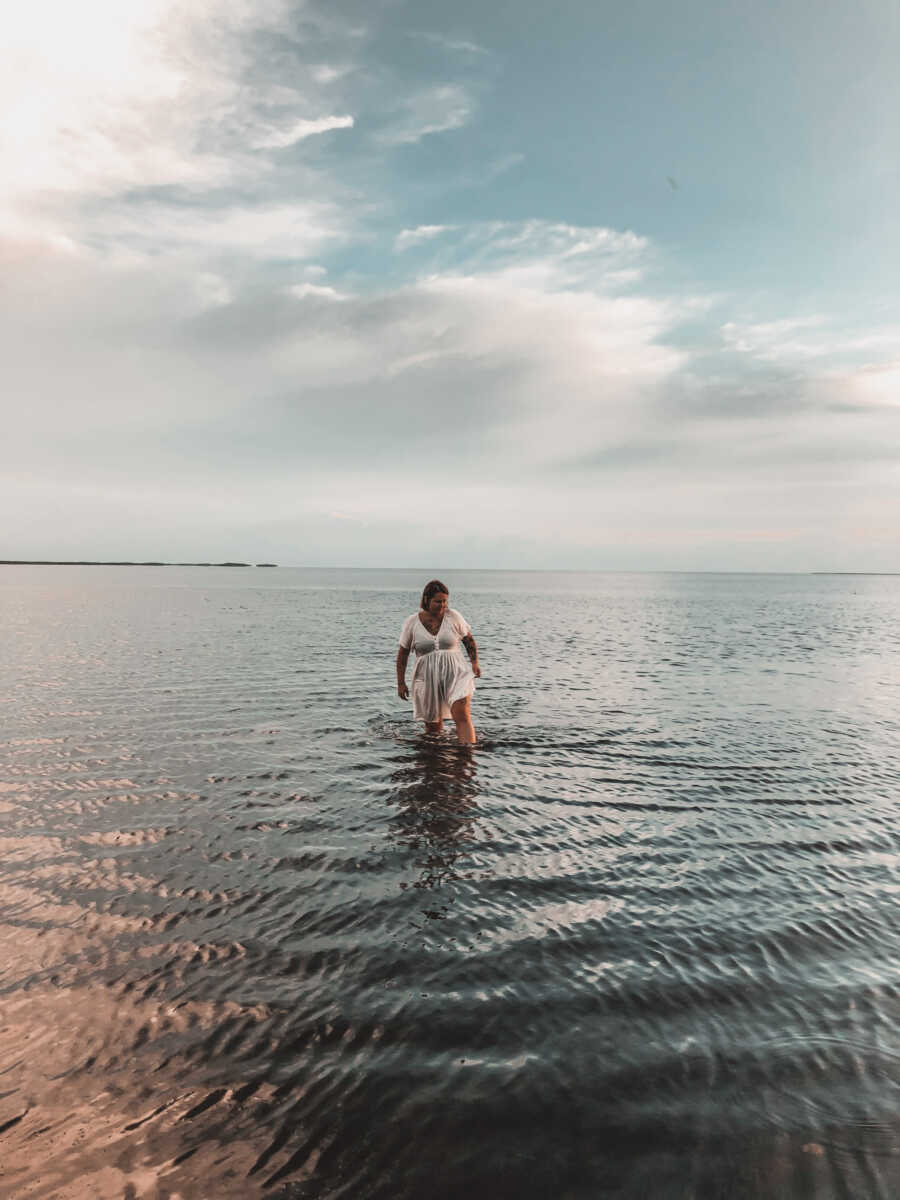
(816, 341)
(320, 291)
(452, 44)
(429, 111)
(278, 139)
(262, 231)
(776, 340)
(544, 255)
(326, 73)
(422, 233)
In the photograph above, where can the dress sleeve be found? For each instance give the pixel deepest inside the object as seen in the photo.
(462, 625)
(406, 633)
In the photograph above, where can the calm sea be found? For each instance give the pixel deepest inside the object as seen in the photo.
(262, 938)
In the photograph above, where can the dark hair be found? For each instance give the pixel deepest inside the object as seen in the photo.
(431, 590)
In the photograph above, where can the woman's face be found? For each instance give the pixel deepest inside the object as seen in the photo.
(437, 605)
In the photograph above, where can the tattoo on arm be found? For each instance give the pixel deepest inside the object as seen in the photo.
(471, 649)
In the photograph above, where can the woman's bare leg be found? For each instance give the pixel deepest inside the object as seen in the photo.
(465, 730)
(434, 726)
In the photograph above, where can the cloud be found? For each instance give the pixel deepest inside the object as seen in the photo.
(160, 127)
(302, 291)
(451, 44)
(550, 399)
(422, 233)
(109, 96)
(120, 119)
(874, 385)
(774, 341)
(212, 290)
(486, 173)
(438, 109)
(552, 254)
(506, 162)
(816, 338)
(326, 73)
(299, 130)
(485, 364)
(263, 231)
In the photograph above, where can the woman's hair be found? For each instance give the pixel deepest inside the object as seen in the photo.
(432, 588)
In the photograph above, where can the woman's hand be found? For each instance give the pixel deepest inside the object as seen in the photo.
(476, 670)
(402, 660)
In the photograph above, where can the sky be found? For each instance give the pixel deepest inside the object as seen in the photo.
(510, 285)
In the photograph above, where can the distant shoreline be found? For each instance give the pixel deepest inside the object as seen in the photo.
(83, 562)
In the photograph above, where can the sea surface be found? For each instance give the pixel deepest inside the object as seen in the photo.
(260, 937)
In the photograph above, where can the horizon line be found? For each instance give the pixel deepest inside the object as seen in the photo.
(48, 562)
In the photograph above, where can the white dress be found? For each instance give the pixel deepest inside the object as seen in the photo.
(441, 674)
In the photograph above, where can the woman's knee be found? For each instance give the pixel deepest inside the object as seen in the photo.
(459, 709)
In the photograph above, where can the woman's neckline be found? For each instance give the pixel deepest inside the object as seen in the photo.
(425, 627)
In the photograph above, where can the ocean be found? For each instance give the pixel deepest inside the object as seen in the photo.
(263, 938)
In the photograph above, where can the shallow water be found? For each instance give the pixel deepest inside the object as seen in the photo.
(260, 937)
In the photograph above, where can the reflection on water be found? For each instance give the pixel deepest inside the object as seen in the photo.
(436, 802)
(260, 937)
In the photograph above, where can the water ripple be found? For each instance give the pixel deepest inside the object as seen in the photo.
(263, 938)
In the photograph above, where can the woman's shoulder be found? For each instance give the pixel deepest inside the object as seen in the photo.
(408, 632)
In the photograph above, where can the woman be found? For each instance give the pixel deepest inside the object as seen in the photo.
(442, 682)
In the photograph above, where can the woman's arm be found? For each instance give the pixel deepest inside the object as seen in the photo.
(402, 660)
(472, 651)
